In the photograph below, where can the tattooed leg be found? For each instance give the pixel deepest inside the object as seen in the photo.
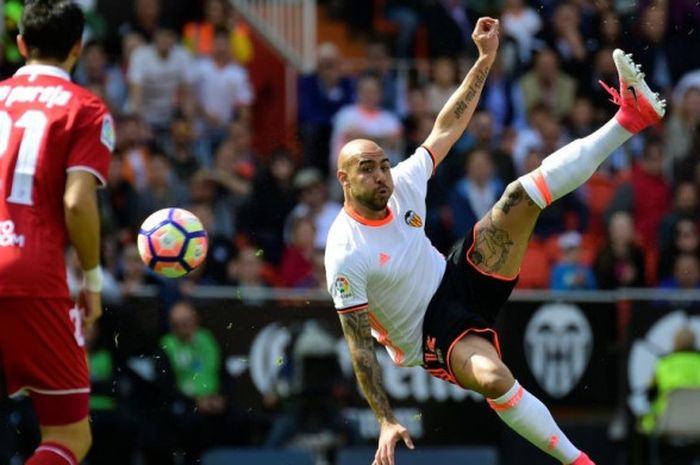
(502, 235)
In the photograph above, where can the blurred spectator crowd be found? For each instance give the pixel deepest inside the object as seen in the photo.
(176, 75)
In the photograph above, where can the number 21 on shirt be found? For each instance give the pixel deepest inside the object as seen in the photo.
(34, 123)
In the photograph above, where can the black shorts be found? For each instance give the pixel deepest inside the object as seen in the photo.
(467, 301)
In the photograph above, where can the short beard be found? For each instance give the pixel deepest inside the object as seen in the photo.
(372, 203)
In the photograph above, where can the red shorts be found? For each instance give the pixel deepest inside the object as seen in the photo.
(42, 352)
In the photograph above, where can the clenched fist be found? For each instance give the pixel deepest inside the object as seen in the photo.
(485, 35)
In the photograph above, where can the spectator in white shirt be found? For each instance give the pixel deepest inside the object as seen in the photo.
(159, 79)
(222, 90)
(521, 22)
(366, 120)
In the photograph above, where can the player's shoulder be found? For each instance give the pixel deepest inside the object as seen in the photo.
(341, 243)
(86, 99)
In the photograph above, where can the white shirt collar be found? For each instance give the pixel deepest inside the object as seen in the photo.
(44, 70)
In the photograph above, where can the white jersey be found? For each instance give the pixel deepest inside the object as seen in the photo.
(389, 266)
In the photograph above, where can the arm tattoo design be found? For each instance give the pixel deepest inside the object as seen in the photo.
(512, 198)
(357, 332)
(472, 92)
(460, 108)
(492, 247)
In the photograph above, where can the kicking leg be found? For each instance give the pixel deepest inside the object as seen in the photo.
(502, 236)
(478, 367)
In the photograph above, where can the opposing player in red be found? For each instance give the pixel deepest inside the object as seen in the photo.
(56, 141)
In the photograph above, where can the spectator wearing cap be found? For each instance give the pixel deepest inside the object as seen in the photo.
(159, 80)
(571, 273)
(313, 203)
(321, 95)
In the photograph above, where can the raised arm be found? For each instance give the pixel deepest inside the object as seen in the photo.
(356, 328)
(457, 112)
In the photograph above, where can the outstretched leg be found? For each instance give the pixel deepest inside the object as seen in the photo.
(477, 366)
(502, 236)
(501, 240)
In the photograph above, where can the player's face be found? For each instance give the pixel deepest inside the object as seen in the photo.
(370, 179)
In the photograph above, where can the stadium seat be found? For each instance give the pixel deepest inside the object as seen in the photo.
(534, 271)
(601, 190)
(678, 424)
(679, 421)
(424, 455)
(231, 456)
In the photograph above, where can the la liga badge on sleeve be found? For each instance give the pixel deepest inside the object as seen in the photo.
(342, 287)
(107, 135)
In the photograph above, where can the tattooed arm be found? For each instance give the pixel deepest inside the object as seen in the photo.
(356, 328)
(455, 115)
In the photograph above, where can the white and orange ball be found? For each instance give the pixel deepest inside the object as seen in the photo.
(172, 242)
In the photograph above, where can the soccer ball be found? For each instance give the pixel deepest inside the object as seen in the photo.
(172, 242)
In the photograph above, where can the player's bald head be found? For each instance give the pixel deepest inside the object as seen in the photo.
(354, 149)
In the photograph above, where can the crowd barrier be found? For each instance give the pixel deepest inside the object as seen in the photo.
(585, 354)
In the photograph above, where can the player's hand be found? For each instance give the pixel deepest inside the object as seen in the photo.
(389, 435)
(485, 36)
(91, 304)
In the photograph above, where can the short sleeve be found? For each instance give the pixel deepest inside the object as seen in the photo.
(93, 139)
(415, 171)
(186, 66)
(244, 91)
(136, 71)
(347, 282)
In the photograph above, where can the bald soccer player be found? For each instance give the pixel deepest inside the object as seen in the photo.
(389, 282)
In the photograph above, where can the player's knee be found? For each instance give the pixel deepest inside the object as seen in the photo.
(514, 190)
(493, 379)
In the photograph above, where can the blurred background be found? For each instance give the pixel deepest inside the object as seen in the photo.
(235, 110)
